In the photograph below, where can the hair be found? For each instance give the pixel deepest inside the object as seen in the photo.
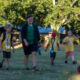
(69, 31)
(30, 15)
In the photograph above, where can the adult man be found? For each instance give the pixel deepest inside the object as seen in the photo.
(30, 39)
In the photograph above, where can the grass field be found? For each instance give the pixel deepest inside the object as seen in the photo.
(59, 71)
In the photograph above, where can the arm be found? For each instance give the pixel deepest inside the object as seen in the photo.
(65, 40)
(58, 42)
(12, 42)
(76, 39)
(23, 35)
(38, 34)
(23, 32)
(13, 47)
(47, 44)
(26, 42)
(0, 45)
(58, 45)
(1, 37)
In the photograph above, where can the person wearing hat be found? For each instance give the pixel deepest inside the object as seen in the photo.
(53, 47)
(5, 44)
(30, 39)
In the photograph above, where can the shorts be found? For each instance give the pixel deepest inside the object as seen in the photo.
(53, 55)
(6, 54)
(31, 48)
(69, 53)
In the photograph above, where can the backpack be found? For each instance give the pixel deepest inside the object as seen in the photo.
(4, 37)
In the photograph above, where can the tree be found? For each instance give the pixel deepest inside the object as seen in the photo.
(64, 12)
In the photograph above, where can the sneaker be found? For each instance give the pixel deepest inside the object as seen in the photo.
(66, 62)
(74, 62)
(1, 65)
(35, 69)
(27, 68)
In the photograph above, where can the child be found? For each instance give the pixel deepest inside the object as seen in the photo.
(53, 44)
(5, 45)
(69, 46)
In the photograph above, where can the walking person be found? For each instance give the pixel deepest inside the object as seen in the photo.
(54, 45)
(6, 43)
(30, 39)
(69, 46)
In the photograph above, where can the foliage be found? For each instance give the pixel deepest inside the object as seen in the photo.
(64, 12)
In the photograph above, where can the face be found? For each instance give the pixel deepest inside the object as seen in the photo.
(53, 37)
(69, 33)
(30, 20)
(8, 29)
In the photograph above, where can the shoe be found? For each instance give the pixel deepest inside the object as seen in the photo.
(1, 65)
(66, 62)
(27, 68)
(74, 62)
(35, 69)
(52, 63)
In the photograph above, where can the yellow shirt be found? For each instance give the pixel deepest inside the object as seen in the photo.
(69, 46)
(6, 44)
(54, 43)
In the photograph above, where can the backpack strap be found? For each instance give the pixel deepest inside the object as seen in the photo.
(4, 36)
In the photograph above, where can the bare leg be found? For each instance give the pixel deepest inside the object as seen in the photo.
(1, 64)
(2, 61)
(51, 60)
(7, 66)
(26, 60)
(54, 56)
(34, 61)
(72, 56)
(34, 58)
(73, 60)
(66, 58)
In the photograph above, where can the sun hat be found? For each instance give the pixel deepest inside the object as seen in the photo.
(8, 25)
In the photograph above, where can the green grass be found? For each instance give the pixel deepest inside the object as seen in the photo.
(59, 71)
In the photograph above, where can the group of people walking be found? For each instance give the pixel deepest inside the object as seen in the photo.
(30, 40)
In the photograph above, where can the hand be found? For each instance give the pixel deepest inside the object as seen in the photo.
(26, 44)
